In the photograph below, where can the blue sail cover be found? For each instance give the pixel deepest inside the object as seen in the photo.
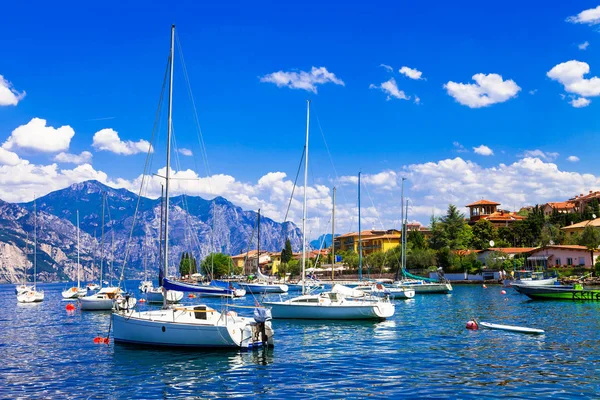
(190, 287)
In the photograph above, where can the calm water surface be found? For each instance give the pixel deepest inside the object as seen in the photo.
(423, 351)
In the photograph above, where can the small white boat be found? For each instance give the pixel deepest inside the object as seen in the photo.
(145, 286)
(73, 293)
(31, 296)
(511, 328)
(393, 292)
(92, 287)
(101, 301)
(155, 295)
(124, 303)
(341, 303)
(424, 287)
(263, 287)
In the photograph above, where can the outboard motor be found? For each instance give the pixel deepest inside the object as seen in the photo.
(262, 316)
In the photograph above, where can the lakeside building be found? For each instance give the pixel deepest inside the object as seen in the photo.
(581, 201)
(248, 260)
(372, 241)
(488, 210)
(580, 226)
(508, 252)
(562, 256)
(563, 207)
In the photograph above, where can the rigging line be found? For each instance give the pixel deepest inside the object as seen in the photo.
(201, 142)
(331, 159)
(295, 184)
(145, 172)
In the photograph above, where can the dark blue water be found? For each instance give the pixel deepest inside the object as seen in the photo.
(423, 351)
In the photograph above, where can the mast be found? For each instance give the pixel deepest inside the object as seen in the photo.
(160, 240)
(359, 235)
(102, 240)
(26, 260)
(333, 237)
(404, 235)
(34, 244)
(170, 127)
(401, 231)
(78, 265)
(258, 244)
(304, 205)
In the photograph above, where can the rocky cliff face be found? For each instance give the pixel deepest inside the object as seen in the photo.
(196, 225)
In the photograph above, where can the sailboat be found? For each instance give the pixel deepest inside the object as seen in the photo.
(409, 281)
(75, 292)
(263, 284)
(189, 326)
(24, 287)
(339, 303)
(104, 299)
(33, 295)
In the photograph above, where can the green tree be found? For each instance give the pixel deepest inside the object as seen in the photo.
(590, 238)
(483, 232)
(287, 253)
(216, 265)
(376, 261)
(420, 258)
(416, 239)
(294, 267)
(551, 234)
(187, 264)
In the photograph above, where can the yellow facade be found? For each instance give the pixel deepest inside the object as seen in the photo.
(372, 241)
(275, 262)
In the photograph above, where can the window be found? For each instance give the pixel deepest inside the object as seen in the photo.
(558, 263)
(200, 312)
(569, 261)
(581, 261)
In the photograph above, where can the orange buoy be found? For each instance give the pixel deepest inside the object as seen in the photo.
(97, 339)
(70, 307)
(503, 292)
(141, 300)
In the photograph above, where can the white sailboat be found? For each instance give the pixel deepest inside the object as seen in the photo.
(104, 299)
(75, 292)
(341, 302)
(24, 287)
(263, 285)
(33, 295)
(189, 326)
(412, 282)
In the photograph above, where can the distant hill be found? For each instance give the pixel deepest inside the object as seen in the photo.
(190, 229)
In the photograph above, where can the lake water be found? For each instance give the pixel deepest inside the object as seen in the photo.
(424, 350)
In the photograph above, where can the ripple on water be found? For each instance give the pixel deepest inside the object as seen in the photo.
(423, 351)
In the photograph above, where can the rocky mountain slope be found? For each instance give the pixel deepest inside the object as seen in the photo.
(191, 225)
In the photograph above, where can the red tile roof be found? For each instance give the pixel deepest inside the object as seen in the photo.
(483, 203)
(561, 205)
(512, 250)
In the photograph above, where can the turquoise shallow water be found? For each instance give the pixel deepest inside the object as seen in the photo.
(423, 351)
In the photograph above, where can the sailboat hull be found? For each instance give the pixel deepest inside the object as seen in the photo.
(32, 296)
(261, 288)
(182, 328)
(156, 296)
(421, 287)
(287, 310)
(96, 302)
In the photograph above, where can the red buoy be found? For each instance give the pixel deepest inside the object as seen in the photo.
(70, 307)
(472, 325)
(503, 292)
(485, 286)
(141, 300)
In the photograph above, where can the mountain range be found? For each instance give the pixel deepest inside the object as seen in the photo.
(196, 225)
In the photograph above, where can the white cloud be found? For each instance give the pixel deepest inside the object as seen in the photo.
(412, 73)
(570, 75)
(8, 95)
(391, 89)
(35, 135)
(579, 102)
(83, 158)
(483, 150)
(303, 80)
(573, 158)
(108, 140)
(387, 67)
(533, 91)
(185, 152)
(537, 153)
(385, 180)
(584, 45)
(487, 90)
(8, 157)
(417, 100)
(590, 17)
(459, 147)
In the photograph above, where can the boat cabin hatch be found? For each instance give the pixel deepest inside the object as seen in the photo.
(200, 312)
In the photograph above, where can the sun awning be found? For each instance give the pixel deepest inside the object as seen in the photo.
(539, 258)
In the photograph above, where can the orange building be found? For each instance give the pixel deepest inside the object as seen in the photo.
(486, 209)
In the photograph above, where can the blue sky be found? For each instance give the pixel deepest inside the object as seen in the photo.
(94, 68)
